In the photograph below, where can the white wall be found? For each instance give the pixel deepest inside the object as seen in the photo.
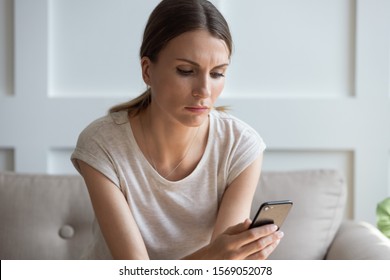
(313, 77)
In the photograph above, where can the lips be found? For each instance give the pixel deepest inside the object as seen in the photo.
(197, 109)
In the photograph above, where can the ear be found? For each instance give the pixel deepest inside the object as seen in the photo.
(145, 66)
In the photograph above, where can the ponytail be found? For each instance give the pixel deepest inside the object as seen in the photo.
(136, 105)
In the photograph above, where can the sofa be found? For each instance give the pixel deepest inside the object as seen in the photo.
(50, 217)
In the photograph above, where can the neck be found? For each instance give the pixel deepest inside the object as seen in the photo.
(169, 146)
(167, 138)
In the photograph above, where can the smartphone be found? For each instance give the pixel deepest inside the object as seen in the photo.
(272, 212)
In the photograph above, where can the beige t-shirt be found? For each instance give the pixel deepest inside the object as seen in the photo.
(175, 218)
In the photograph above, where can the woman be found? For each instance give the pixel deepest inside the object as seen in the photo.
(170, 176)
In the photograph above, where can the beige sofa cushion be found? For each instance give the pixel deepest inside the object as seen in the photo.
(50, 217)
(319, 199)
(43, 217)
(359, 241)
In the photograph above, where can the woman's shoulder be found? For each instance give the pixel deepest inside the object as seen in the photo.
(225, 120)
(105, 125)
(231, 128)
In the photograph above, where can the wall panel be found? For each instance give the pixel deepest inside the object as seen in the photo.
(58, 161)
(7, 48)
(94, 47)
(7, 159)
(289, 49)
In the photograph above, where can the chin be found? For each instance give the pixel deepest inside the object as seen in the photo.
(196, 121)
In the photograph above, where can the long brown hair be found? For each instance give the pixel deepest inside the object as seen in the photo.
(168, 20)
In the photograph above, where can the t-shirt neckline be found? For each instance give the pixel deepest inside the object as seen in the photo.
(154, 172)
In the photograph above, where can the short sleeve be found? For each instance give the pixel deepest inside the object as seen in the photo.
(247, 149)
(93, 149)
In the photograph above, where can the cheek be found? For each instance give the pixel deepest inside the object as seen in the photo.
(168, 81)
(168, 93)
(217, 89)
(162, 86)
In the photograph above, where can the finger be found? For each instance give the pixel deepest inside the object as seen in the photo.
(242, 242)
(254, 234)
(265, 252)
(251, 241)
(262, 243)
(241, 227)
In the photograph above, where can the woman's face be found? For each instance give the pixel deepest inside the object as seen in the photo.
(187, 77)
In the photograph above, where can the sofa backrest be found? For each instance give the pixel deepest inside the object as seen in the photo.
(50, 216)
(43, 216)
(319, 198)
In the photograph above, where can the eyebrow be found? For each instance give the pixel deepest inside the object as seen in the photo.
(197, 64)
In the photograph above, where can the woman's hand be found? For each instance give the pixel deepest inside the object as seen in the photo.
(241, 243)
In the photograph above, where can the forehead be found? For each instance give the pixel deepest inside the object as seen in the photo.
(199, 46)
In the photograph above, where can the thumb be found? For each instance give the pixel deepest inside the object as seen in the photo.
(238, 228)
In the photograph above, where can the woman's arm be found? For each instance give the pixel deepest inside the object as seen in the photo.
(114, 216)
(237, 200)
(232, 238)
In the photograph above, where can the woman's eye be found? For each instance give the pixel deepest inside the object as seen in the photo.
(217, 75)
(184, 72)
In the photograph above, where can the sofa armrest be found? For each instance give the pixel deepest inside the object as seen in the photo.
(359, 241)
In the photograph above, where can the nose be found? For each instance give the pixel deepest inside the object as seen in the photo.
(202, 88)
